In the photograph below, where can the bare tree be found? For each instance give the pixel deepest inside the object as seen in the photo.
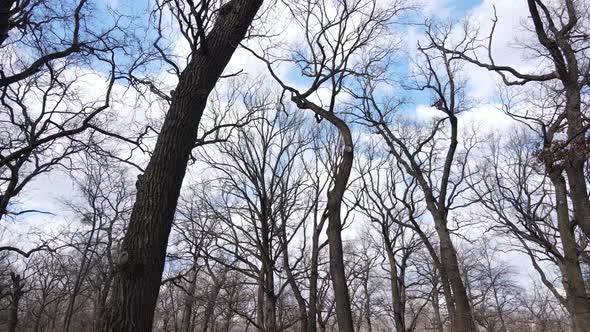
(260, 181)
(391, 206)
(334, 33)
(143, 252)
(562, 34)
(525, 203)
(50, 51)
(434, 156)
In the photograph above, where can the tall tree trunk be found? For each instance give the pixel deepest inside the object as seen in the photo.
(141, 262)
(436, 308)
(579, 302)
(334, 205)
(396, 294)
(367, 302)
(313, 270)
(463, 320)
(187, 308)
(293, 283)
(270, 302)
(80, 276)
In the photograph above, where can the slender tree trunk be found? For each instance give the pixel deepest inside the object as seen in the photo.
(313, 283)
(367, 302)
(141, 262)
(396, 296)
(210, 308)
(334, 205)
(294, 286)
(187, 309)
(436, 308)
(80, 276)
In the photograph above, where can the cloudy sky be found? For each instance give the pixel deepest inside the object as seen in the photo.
(46, 192)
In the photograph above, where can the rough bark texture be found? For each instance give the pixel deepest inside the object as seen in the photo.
(5, 19)
(578, 300)
(561, 49)
(141, 261)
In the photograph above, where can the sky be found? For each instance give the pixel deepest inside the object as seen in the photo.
(46, 191)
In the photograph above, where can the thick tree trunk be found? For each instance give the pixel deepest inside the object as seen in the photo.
(337, 272)
(463, 320)
(5, 19)
(260, 298)
(141, 262)
(579, 302)
(270, 305)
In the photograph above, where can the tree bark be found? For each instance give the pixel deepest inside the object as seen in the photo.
(5, 19)
(334, 205)
(136, 286)
(579, 302)
(463, 320)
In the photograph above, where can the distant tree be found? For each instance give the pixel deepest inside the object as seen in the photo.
(52, 51)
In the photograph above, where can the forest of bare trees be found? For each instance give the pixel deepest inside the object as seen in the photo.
(302, 165)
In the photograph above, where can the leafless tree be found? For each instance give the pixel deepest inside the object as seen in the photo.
(391, 205)
(434, 155)
(562, 34)
(333, 33)
(525, 203)
(258, 175)
(136, 286)
(50, 50)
